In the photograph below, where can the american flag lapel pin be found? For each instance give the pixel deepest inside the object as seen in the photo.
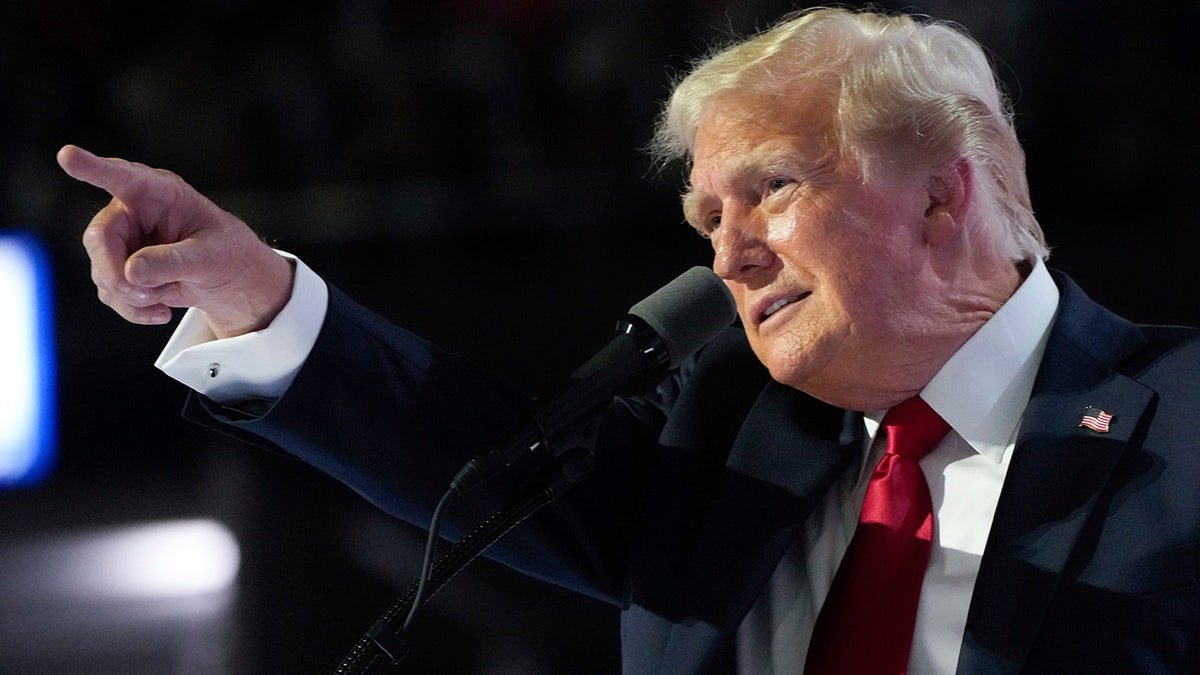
(1096, 419)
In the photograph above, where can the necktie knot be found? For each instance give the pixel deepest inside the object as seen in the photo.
(913, 428)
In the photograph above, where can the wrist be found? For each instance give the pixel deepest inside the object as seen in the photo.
(270, 291)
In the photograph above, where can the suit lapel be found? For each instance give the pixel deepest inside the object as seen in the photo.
(1058, 470)
(757, 507)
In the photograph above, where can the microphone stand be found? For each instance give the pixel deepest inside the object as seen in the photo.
(386, 639)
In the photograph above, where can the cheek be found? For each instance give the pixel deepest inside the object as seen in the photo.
(869, 301)
(870, 269)
(813, 338)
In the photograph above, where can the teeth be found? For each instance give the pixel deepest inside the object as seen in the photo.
(778, 305)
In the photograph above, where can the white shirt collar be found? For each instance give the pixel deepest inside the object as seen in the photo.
(984, 387)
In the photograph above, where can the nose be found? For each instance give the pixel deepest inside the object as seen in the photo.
(740, 247)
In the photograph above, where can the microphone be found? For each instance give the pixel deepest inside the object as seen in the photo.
(657, 334)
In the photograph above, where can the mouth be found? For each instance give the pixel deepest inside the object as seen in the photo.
(775, 306)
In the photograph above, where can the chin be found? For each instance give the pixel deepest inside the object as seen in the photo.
(795, 372)
(815, 373)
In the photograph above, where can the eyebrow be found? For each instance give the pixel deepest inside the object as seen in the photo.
(761, 163)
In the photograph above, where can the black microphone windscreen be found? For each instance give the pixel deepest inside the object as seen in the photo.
(688, 312)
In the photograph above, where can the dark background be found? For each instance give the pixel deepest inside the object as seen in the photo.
(472, 169)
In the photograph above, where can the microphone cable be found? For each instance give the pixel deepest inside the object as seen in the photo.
(386, 637)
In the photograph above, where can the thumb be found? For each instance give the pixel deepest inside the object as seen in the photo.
(158, 265)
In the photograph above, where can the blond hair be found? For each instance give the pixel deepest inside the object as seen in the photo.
(909, 94)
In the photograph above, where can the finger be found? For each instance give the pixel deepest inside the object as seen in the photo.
(120, 178)
(150, 315)
(107, 240)
(162, 264)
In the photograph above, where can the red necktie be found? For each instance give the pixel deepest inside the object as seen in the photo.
(866, 624)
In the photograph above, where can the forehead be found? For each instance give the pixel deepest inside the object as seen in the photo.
(748, 134)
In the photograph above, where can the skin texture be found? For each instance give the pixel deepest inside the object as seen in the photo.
(160, 244)
(886, 281)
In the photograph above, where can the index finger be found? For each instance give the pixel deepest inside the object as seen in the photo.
(118, 177)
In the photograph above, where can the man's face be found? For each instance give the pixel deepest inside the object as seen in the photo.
(833, 279)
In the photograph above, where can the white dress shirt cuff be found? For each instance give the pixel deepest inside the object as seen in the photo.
(257, 365)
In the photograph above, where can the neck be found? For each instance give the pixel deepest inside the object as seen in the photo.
(967, 301)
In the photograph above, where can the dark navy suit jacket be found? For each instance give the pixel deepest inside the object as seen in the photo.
(1091, 564)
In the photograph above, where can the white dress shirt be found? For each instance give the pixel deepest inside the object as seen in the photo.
(981, 392)
(257, 365)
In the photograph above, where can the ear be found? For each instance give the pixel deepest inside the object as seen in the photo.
(950, 189)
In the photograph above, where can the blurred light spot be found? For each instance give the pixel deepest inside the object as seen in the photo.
(26, 361)
(167, 559)
(152, 561)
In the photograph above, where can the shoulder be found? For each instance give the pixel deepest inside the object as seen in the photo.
(1170, 359)
(1136, 350)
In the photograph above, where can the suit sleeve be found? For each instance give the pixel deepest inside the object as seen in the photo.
(394, 418)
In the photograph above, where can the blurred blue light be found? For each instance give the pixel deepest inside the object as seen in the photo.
(27, 384)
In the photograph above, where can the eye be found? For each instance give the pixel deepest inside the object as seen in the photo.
(776, 184)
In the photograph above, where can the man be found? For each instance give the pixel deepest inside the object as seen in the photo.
(863, 188)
